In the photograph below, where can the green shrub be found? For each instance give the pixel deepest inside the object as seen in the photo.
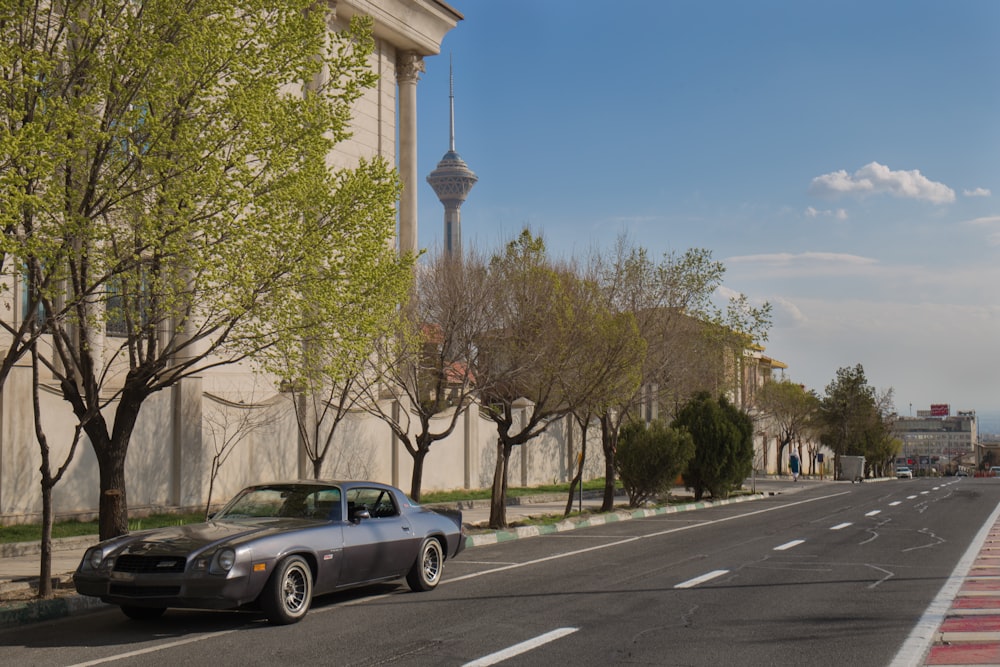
(649, 459)
(723, 438)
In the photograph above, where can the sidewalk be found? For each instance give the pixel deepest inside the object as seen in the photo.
(19, 563)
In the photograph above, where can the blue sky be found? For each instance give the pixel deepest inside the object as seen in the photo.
(842, 160)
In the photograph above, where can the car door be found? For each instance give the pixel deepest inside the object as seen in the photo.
(325, 505)
(379, 545)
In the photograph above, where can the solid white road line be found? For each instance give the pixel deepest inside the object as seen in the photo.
(841, 526)
(152, 649)
(788, 545)
(708, 576)
(523, 647)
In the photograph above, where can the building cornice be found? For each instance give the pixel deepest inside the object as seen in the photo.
(410, 25)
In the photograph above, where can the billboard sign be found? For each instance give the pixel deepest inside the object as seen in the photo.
(940, 409)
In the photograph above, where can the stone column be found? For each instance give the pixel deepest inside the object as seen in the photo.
(409, 65)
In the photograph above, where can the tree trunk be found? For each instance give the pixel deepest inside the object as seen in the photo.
(578, 478)
(45, 563)
(113, 503)
(111, 452)
(498, 497)
(609, 441)
(417, 476)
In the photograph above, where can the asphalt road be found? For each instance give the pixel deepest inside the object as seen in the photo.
(832, 575)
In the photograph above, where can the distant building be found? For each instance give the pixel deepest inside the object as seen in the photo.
(941, 443)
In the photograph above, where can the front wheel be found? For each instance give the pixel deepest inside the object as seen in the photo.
(427, 569)
(288, 593)
(142, 613)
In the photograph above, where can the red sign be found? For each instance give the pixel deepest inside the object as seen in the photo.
(940, 409)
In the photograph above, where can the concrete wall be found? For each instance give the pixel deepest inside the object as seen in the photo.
(182, 429)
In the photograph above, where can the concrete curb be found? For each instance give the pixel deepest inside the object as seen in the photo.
(36, 611)
(16, 549)
(498, 536)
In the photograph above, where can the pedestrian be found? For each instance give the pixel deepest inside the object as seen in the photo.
(793, 465)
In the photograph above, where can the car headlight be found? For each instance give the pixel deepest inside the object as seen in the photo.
(225, 559)
(93, 558)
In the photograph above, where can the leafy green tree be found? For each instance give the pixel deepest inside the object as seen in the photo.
(789, 411)
(691, 344)
(165, 180)
(723, 438)
(856, 420)
(650, 457)
(523, 359)
(606, 371)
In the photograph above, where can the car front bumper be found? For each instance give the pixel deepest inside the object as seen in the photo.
(194, 590)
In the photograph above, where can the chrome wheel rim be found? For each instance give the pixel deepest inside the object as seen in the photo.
(295, 590)
(432, 563)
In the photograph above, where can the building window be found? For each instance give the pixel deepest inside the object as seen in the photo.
(126, 308)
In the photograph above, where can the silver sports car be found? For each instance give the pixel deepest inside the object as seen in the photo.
(274, 547)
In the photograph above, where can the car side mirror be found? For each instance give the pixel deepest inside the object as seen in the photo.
(360, 513)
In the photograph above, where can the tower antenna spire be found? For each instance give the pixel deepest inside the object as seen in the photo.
(451, 103)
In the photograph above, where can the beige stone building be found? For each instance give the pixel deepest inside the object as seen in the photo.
(182, 429)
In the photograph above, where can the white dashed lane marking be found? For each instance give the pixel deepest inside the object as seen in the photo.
(788, 545)
(691, 583)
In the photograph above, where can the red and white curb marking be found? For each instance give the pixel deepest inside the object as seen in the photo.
(970, 631)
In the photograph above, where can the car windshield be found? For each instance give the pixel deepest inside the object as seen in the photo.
(300, 501)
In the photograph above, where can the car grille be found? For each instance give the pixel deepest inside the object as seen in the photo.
(144, 591)
(150, 564)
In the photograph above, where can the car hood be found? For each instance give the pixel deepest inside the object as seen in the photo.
(197, 536)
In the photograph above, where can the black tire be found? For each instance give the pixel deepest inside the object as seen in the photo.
(142, 613)
(428, 568)
(288, 593)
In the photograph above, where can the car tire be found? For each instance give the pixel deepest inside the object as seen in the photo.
(288, 593)
(142, 613)
(427, 569)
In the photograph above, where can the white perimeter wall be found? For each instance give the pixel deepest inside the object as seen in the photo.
(180, 430)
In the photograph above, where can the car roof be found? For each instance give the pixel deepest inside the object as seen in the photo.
(344, 484)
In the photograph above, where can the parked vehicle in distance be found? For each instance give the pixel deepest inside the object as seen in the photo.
(274, 547)
(994, 471)
(903, 472)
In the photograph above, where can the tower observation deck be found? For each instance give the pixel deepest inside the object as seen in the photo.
(452, 180)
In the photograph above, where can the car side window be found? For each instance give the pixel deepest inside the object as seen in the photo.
(384, 506)
(378, 502)
(326, 505)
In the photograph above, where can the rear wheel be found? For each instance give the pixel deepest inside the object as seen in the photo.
(142, 613)
(288, 593)
(427, 569)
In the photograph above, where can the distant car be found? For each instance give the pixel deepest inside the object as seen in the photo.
(961, 473)
(903, 471)
(273, 547)
(994, 471)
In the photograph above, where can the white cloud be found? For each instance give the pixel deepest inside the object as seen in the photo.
(787, 313)
(875, 178)
(989, 221)
(977, 192)
(787, 258)
(832, 334)
(839, 214)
